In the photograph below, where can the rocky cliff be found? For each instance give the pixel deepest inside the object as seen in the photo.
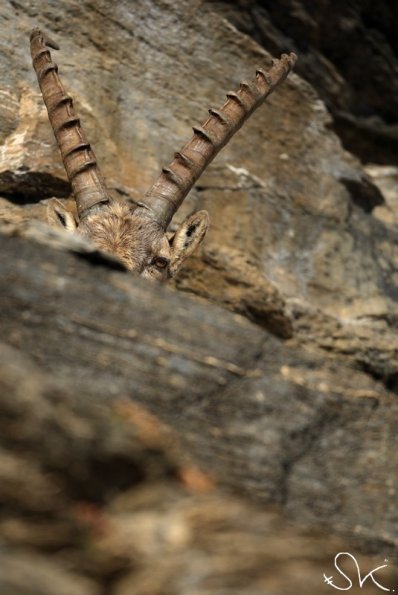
(237, 430)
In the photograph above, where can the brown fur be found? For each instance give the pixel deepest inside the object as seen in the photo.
(134, 240)
(138, 241)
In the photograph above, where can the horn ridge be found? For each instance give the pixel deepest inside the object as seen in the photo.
(79, 160)
(166, 195)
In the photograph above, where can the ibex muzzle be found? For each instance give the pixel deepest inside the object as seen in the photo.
(136, 233)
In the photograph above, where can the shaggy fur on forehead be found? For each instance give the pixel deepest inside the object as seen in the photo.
(133, 239)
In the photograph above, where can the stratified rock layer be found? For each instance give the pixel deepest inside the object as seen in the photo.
(114, 391)
(348, 52)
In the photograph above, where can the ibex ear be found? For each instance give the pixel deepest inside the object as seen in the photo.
(187, 238)
(59, 216)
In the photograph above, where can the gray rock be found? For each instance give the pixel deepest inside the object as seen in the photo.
(337, 44)
(113, 391)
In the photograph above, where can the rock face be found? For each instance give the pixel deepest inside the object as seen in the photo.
(114, 391)
(81, 463)
(338, 42)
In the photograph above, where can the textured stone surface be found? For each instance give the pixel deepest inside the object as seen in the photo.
(291, 212)
(338, 42)
(100, 488)
(267, 419)
(27, 573)
(296, 411)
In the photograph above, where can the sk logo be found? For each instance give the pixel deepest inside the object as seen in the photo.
(361, 580)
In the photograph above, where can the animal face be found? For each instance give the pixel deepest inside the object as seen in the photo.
(138, 241)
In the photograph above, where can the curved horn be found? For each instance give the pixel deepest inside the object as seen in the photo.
(168, 192)
(78, 158)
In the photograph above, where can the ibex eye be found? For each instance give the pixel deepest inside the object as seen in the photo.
(160, 262)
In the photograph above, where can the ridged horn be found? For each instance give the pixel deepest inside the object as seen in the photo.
(168, 192)
(87, 183)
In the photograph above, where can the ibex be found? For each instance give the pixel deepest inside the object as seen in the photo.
(136, 232)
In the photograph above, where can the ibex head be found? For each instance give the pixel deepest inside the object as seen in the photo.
(136, 233)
